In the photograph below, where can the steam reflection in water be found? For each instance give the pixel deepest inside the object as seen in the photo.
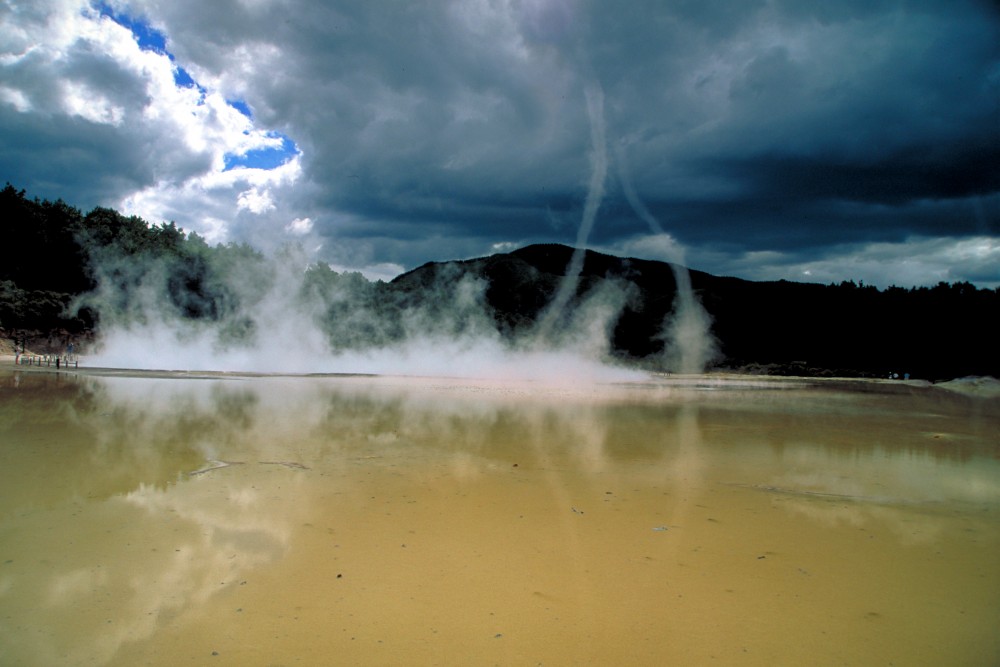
(384, 520)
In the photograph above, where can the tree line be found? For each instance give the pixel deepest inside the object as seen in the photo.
(66, 275)
(53, 255)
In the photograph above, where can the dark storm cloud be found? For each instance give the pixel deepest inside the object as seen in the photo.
(739, 110)
(807, 130)
(58, 153)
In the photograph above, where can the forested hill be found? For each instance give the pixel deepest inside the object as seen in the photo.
(780, 327)
(52, 255)
(66, 275)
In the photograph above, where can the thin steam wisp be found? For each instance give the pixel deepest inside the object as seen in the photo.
(690, 345)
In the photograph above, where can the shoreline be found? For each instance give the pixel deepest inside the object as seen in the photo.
(985, 387)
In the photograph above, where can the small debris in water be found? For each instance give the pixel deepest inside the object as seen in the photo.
(661, 529)
(287, 464)
(576, 510)
(215, 464)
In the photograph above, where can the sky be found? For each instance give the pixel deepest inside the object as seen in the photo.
(764, 139)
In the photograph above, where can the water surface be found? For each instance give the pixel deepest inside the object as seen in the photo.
(231, 520)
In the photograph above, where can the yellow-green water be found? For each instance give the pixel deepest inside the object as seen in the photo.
(341, 520)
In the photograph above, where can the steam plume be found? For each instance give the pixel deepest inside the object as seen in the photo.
(595, 193)
(243, 312)
(689, 343)
(270, 316)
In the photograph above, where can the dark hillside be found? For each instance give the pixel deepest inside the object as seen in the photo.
(774, 327)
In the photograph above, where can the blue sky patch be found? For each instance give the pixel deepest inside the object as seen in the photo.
(184, 80)
(264, 158)
(242, 107)
(149, 38)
